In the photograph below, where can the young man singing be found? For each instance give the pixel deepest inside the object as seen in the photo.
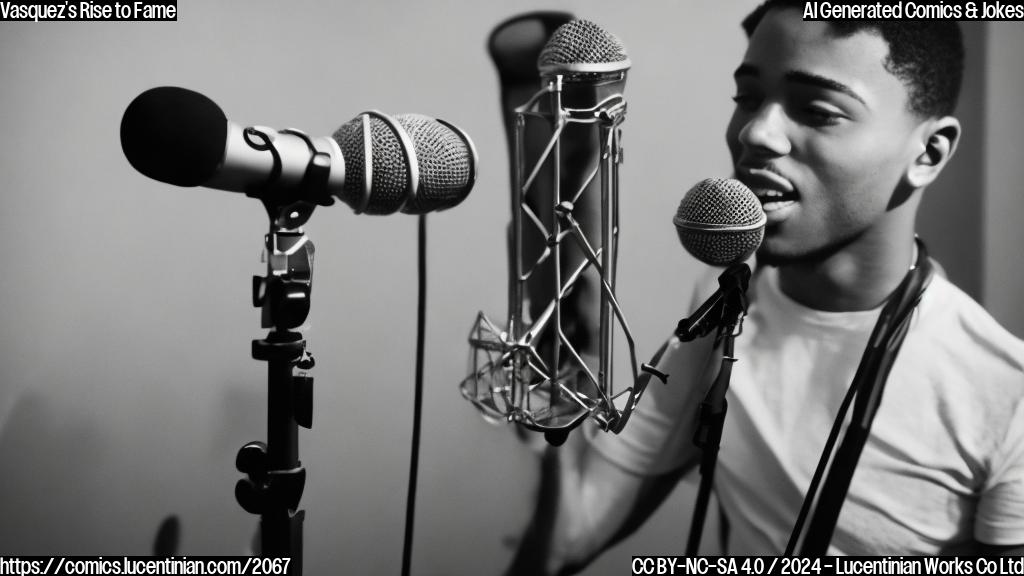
(839, 127)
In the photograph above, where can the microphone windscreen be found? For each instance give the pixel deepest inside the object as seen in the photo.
(174, 135)
(447, 163)
(720, 222)
(390, 175)
(580, 46)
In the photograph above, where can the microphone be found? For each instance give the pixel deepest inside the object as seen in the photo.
(720, 222)
(584, 67)
(551, 368)
(410, 163)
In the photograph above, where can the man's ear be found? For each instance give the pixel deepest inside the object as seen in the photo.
(939, 139)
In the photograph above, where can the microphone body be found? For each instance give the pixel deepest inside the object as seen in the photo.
(581, 149)
(244, 168)
(375, 163)
(181, 137)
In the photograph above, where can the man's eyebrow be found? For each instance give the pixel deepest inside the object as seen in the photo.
(807, 78)
(823, 82)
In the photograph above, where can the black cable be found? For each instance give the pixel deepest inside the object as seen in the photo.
(417, 407)
(833, 492)
(872, 372)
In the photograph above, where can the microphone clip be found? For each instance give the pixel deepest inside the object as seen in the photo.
(290, 206)
(723, 311)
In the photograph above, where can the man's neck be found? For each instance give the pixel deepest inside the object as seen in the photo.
(859, 277)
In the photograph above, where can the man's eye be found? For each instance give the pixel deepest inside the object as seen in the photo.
(820, 116)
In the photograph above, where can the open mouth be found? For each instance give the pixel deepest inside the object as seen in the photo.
(772, 200)
(774, 191)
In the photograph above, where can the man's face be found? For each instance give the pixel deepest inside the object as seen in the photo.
(821, 133)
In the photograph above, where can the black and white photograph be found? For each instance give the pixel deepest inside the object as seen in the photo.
(449, 288)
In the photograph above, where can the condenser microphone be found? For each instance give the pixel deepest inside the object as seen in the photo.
(552, 368)
(584, 68)
(410, 163)
(720, 222)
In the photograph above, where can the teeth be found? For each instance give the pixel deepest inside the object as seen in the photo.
(776, 205)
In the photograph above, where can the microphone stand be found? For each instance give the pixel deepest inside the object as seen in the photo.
(275, 476)
(723, 311)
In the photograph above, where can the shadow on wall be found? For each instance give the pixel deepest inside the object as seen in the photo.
(68, 456)
(50, 450)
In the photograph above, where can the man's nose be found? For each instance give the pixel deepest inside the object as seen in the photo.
(764, 133)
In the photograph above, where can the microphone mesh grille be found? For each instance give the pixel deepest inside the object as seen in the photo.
(581, 42)
(717, 222)
(720, 202)
(445, 164)
(390, 176)
(721, 248)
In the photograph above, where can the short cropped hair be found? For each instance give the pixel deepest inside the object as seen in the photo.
(927, 55)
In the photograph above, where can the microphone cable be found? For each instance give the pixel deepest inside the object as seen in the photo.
(867, 386)
(417, 405)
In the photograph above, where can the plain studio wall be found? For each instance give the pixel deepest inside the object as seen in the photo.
(126, 385)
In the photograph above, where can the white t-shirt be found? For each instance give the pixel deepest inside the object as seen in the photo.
(944, 464)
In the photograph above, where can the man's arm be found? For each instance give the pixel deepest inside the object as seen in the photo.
(586, 504)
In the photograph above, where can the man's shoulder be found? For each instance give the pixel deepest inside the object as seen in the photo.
(955, 322)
